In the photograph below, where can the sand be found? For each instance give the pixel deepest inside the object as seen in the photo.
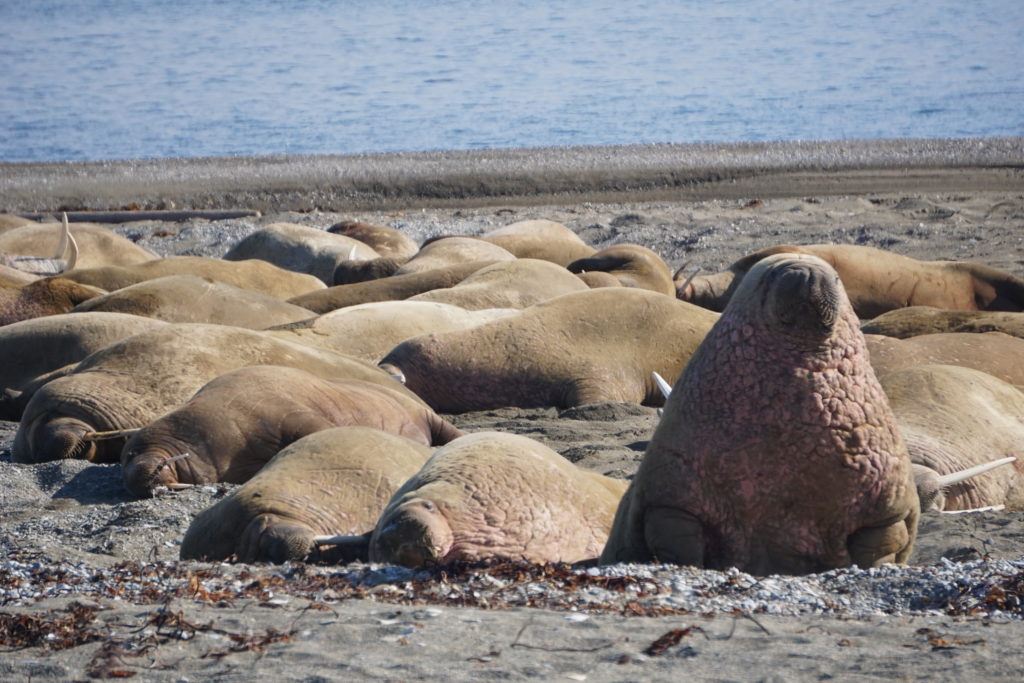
(96, 570)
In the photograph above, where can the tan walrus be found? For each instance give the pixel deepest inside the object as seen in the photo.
(255, 275)
(237, 422)
(394, 248)
(96, 245)
(920, 320)
(335, 481)
(778, 451)
(129, 384)
(632, 265)
(192, 299)
(48, 296)
(594, 346)
(540, 239)
(301, 249)
(496, 496)
(508, 284)
(444, 252)
(995, 353)
(876, 281)
(370, 331)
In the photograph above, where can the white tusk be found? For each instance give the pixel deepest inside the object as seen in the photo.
(689, 280)
(114, 434)
(666, 388)
(65, 232)
(179, 487)
(987, 508)
(957, 477)
(74, 253)
(352, 254)
(338, 540)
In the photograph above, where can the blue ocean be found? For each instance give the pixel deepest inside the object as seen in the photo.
(113, 79)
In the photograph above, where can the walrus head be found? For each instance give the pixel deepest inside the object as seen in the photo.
(413, 534)
(62, 438)
(800, 296)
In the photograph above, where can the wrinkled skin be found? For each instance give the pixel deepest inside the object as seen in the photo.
(540, 239)
(191, 299)
(129, 384)
(255, 275)
(632, 265)
(496, 496)
(953, 418)
(594, 346)
(236, 423)
(921, 320)
(333, 482)
(995, 353)
(393, 288)
(97, 246)
(778, 451)
(508, 284)
(370, 331)
(449, 251)
(876, 281)
(49, 296)
(42, 345)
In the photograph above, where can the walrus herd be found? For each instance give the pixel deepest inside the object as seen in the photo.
(819, 397)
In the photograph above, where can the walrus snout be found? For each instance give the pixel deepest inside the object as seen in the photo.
(63, 439)
(144, 471)
(416, 534)
(805, 296)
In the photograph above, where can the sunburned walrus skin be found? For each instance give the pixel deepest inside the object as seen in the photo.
(777, 451)
(333, 482)
(237, 422)
(48, 296)
(876, 281)
(129, 384)
(920, 320)
(496, 496)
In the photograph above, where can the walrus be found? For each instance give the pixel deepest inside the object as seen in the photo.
(97, 246)
(10, 221)
(952, 419)
(129, 384)
(370, 331)
(921, 320)
(632, 265)
(508, 284)
(876, 281)
(596, 279)
(387, 242)
(778, 451)
(995, 353)
(449, 251)
(192, 299)
(255, 275)
(540, 239)
(594, 346)
(13, 278)
(336, 481)
(48, 296)
(302, 249)
(394, 288)
(64, 257)
(236, 423)
(496, 496)
(31, 348)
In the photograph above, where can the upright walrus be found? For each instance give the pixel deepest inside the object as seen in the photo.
(237, 422)
(332, 482)
(876, 281)
(778, 450)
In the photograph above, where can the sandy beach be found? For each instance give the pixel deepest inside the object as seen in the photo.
(90, 585)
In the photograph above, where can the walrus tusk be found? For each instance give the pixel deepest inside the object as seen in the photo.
(665, 387)
(686, 284)
(352, 254)
(341, 540)
(957, 477)
(987, 508)
(62, 244)
(179, 487)
(114, 434)
(73, 260)
(686, 264)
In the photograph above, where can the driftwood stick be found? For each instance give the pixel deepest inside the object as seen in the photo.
(173, 216)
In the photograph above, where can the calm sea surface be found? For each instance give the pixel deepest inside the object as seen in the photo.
(102, 79)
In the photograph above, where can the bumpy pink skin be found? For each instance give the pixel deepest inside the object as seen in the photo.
(779, 441)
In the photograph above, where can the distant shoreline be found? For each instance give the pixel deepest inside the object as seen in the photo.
(451, 179)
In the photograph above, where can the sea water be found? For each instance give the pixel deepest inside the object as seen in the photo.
(102, 79)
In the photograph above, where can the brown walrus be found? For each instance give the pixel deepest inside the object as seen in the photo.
(508, 284)
(370, 331)
(255, 275)
(129, 384)
(778, 451)
(594, 346)
(501, 496)
(236, 423)
(387, 242)
(192, 299)
(97, 246)
(876, 281)
(48, 296)
(920, 320)
(449, 251)
(39, 346)
(995, 353)
(302, 249)
(394, 288)
(632, 265)
(540, 239)
(335, 481)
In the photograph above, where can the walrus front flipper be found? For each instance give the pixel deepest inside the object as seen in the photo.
(268, 538)
(995, 290)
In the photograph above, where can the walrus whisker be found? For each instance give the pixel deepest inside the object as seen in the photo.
(947, 480)
(665, 387)
(113, 434)
(987, 508)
